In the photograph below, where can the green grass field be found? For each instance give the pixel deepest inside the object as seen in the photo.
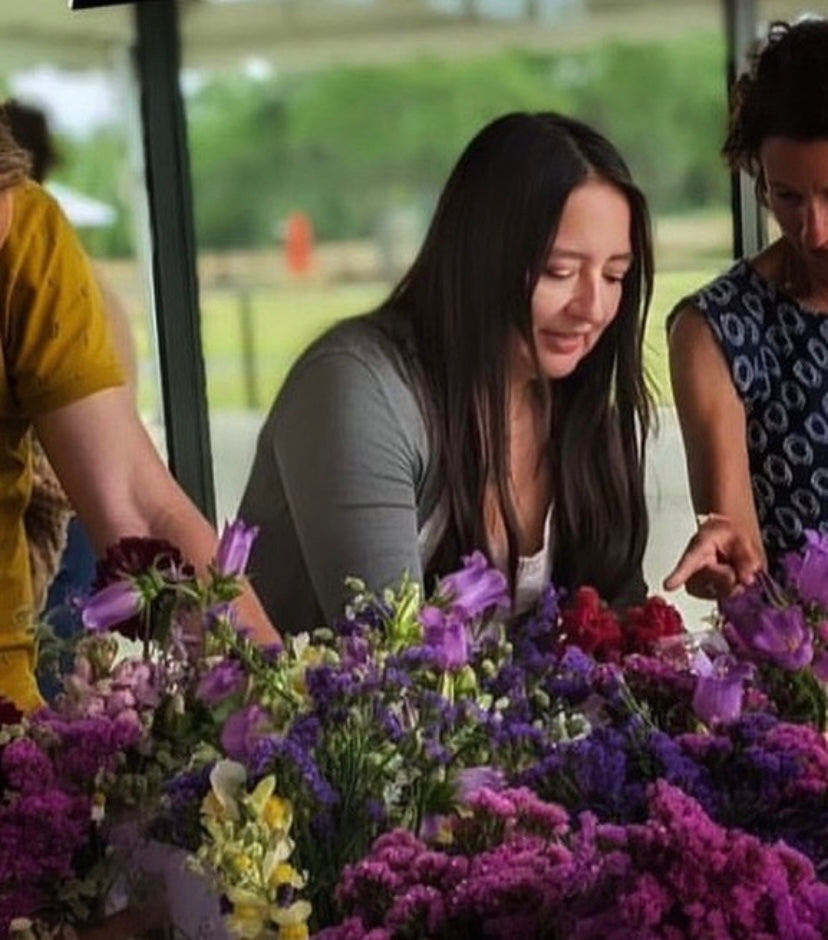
(281, 322)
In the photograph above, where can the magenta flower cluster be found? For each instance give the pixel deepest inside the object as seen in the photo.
(518, 868)
(48, 808)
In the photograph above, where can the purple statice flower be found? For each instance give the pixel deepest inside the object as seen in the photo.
(26, 767)
(476, 588)
(41, 834)
(571, 680)
(234, 548)
(113, 604)
(242, 730)
(724, 882)
(807, 570)
(719, 687)
(416, 911)
(223, 680)
(285, 756)
(180, 822)
(88, 745)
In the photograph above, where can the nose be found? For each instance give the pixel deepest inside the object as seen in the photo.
(815, 225)
(588, 302)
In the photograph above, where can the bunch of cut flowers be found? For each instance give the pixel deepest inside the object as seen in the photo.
(376, 723)
(390, 719)
(428, 767)
(74, 772)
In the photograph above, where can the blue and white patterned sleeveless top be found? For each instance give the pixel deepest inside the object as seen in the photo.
(777, 351)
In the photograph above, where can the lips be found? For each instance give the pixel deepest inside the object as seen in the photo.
(563, 342)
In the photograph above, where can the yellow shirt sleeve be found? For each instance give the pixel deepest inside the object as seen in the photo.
(56, 340)
(55, 348)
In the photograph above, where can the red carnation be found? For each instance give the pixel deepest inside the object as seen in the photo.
(592, 626)
(649, 623)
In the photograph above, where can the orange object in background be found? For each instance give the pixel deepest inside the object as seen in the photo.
(299, 243)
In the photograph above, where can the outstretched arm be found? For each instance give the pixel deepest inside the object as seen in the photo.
(727, 550)
(120, 487)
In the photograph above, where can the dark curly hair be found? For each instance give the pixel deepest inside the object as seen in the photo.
(30, 130)
(784, 93)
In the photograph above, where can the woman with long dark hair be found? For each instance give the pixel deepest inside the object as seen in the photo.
(496, 400)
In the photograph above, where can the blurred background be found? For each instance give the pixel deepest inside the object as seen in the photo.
(319, 133)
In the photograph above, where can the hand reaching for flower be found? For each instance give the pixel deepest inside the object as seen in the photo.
(718, 561)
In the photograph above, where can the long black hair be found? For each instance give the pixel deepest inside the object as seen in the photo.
(467, 292)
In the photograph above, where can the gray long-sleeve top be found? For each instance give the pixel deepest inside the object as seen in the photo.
(340, 484)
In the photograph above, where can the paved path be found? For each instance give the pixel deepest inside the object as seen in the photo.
(671, 517)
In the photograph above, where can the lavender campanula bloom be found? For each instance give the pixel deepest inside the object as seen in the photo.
(784, 637)
(720, 687)
(447, 637)
(807, 570)
(113, 604)
(234, 548)
(476, 587)
(242, 731)
(778, 634)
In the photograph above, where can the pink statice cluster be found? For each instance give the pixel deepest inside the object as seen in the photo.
(516, 867)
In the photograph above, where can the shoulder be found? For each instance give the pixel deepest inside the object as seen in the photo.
(713, 294)
(354, 357)
(36, 213)
(41, 239)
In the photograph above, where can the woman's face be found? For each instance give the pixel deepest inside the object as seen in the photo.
(579, 290)
(796, 180)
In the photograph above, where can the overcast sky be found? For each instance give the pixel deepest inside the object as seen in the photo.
(75, 102)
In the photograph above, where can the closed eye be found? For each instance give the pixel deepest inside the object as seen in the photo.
(559, 274)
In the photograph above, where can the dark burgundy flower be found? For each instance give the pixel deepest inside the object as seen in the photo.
(136, 555)
(131, 559)
(10, 714)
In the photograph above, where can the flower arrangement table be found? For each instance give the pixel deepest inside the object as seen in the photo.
(425, 767)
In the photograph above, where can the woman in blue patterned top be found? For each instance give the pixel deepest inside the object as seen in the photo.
(749, 351)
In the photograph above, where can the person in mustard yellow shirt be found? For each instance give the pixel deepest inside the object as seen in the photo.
(59, 374)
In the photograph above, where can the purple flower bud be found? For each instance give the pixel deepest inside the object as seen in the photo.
(447, 636)
(110, 606)
(223, 680)
(234, 548)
